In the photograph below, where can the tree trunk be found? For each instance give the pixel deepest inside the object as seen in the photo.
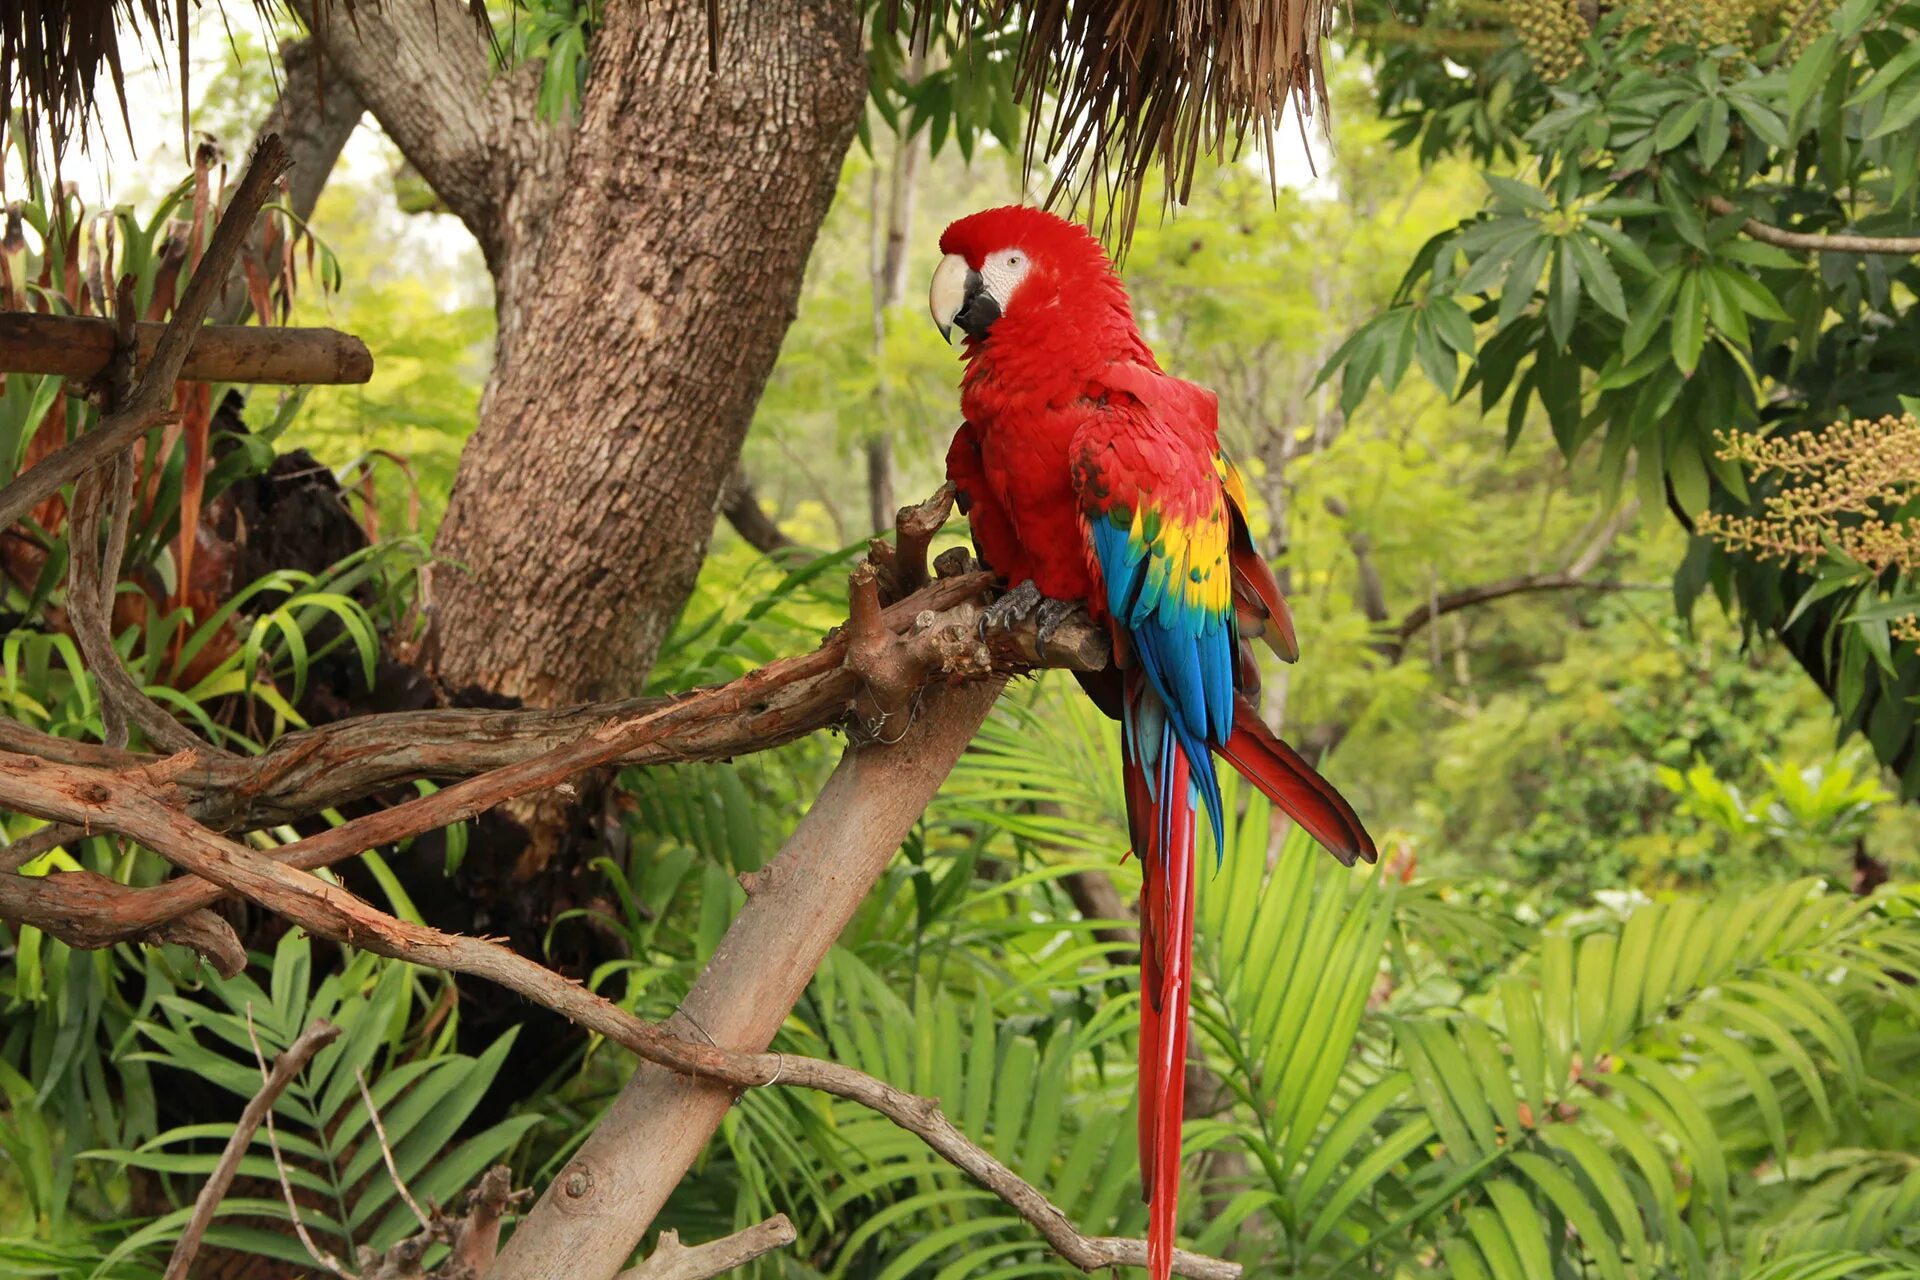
(647, 263)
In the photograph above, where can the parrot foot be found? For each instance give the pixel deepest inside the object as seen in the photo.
(1051, 614)
(1013, 607)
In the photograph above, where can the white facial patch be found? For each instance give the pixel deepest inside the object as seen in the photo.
(1002, 273)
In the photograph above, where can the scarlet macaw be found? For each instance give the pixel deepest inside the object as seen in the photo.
(1091, 477)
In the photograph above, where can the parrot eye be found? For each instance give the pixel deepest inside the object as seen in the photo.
(1002, 273)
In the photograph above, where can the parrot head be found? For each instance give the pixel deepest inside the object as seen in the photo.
(1017, 261)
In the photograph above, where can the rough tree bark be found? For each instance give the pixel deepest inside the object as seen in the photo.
(647, 262)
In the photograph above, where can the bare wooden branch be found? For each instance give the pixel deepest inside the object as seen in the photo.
(1448, 602)
(1811, 242)
(289, 1064)
(305, 772)
(671, 1260)
(511, 753)
(90, 605)
(476, 1237)
(471, 1239)
(35, 843)
(79, 347)
(154, 394)
(1575, 576)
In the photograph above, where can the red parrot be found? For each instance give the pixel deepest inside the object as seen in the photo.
(1093, 478)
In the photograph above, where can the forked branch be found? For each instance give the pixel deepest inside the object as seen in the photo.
(671, 1260)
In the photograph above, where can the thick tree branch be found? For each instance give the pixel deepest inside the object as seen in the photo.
(426, 73)
(305, 772)
(288, 1065)
(512, 753)
(1811, 242)
(151, 398)
(671, 1260)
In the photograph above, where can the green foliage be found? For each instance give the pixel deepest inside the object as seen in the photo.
(1647, 1091)
(1612, 281)
(555, 34)
(396, 440)
(423, 1094)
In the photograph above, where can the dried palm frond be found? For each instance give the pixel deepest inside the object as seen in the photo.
(53, 53)
(51, 56)
(1115, 87)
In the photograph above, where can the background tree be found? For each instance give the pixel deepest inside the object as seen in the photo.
(1702, 221)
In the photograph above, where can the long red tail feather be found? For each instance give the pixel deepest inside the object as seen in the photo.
(1293, 784)
(1161, 815)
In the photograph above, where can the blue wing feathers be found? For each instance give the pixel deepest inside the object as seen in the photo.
(1188, 661)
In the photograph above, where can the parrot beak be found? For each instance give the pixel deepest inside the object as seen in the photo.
(952, 281)
(960, 297)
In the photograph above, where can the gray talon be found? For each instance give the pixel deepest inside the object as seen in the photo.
(1015, 606)
(1052, 614)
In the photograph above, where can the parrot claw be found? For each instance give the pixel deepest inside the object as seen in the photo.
(1052, 613)
(1013, 607)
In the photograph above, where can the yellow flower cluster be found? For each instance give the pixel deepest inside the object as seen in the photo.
(1550, 31)
(1704, 24)
(1843, 486)
(1843, 490)
(1842, 483)
(1805, 21)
